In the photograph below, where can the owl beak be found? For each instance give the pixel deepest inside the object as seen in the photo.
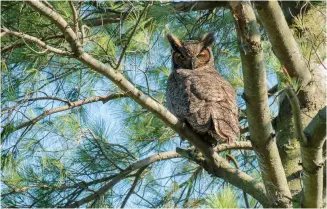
(193, 63)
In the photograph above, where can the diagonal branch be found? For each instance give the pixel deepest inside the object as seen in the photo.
(282, 40)
(75, 16)
(135, 166)
(295, 104)
(311, 141)
(131, 190)
(72, 105)
(257, 106)
(35, 40)
(18, 43)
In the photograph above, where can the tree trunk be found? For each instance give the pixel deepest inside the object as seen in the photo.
(312, 98)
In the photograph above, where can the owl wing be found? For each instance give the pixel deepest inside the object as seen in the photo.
(176, 96)
(213, 107)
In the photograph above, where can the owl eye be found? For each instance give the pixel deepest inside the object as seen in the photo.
(202, 54)
(180, 56)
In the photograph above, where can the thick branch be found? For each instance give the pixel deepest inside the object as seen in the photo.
(316, 130)
(70, 35)
(282, 40)
(231, 175)
(313, 161)
(257, 106)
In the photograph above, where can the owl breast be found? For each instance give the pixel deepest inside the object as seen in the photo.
(204, 100)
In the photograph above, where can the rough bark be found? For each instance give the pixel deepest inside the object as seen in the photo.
(312, 161)
(282, 41)
(257, 107)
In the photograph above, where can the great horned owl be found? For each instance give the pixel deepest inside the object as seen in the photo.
(198, 95)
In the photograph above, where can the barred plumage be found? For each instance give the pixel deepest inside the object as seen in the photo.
(198, 95)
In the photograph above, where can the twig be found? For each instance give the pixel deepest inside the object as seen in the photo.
(102, 151)
(231, 158)
(130, 38)
(131, 190)
(75, 17)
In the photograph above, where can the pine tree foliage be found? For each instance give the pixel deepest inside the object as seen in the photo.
(67, 131)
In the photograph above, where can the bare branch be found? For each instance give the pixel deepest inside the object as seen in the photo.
(257, 106)
(234, 146)
(282, 40)
(313, 161)
(36, 41)
(316, 130)
(296, 115)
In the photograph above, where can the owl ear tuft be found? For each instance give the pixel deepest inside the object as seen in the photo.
(174, 42)
(208, 39)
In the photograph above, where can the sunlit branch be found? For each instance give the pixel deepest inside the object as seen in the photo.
(257, 106)
(36, 41)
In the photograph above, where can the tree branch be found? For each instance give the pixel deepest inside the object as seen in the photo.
(234, 146)
(311, 152)
(18, 43)
(36, 41)
(135, 166)
(257, 106)
(313, 161)
(176, 6)
(295, 104)
(230, 174)
(72, 105)
(70, 35)
(75, 17)
(131, 190)
(282, 40)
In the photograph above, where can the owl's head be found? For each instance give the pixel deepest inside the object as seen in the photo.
(191, 54)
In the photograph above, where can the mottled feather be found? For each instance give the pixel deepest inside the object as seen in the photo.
(201, 97)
